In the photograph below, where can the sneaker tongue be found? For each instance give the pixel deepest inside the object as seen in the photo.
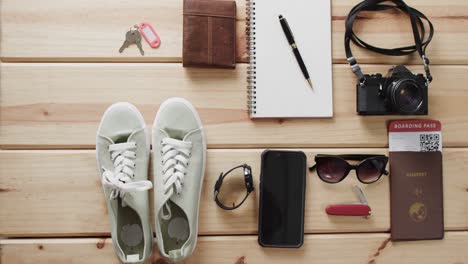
(121, 136)
(175, 133)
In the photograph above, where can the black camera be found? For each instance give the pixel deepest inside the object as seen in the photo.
(401, 92)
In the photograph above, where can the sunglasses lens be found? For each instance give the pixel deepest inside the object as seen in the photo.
(371, 170)
(331, 169)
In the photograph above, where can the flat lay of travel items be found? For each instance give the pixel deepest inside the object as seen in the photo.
(289, 76)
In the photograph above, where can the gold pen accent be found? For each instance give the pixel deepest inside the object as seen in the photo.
(310, 84)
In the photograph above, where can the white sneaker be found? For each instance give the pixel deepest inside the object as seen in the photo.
(179, 166)
(122, 152)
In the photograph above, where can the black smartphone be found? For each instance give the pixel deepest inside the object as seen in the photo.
(282, 198)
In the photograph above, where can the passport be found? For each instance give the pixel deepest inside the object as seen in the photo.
(416, 195)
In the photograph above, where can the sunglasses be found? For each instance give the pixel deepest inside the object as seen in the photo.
(334, 168)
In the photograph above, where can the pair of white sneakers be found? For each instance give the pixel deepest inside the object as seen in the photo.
(179, 153)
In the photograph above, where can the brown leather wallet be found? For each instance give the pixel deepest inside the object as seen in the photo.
(209, 37)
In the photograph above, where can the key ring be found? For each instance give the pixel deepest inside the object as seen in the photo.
(248, 185)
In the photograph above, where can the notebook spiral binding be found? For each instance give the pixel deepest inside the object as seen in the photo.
(251, 69)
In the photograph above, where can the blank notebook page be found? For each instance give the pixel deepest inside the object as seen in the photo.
(281, 89)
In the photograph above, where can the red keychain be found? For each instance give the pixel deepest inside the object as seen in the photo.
(149, 34)
(354, 209)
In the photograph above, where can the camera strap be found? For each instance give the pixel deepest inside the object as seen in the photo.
(417, 24)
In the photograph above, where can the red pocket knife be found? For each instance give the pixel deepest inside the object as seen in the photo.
(354, 209)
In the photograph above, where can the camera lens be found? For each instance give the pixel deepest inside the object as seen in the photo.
(407, 96)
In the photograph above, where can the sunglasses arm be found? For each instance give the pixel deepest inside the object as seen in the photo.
(313, 167)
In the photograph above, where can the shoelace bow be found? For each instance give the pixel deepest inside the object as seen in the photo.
(175, 156)
(121, 179)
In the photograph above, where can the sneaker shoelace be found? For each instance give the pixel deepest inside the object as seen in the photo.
(121, 179)
(175, 156)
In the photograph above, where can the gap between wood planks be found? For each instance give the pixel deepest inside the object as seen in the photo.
(107, 235)
(213, 147)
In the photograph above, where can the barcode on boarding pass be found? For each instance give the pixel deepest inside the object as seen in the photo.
(429, 142)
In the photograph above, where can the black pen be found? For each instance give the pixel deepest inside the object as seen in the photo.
(297, 54)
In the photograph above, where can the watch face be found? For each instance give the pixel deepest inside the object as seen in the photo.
(248, 178)
(247, 171)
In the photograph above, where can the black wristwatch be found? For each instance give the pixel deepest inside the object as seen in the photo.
(248, 185)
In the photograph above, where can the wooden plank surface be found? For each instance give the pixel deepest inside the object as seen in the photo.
(55, 105)
(336, 249)
(58, 193)
(90, 30)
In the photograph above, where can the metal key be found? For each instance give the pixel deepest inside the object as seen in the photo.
(137, 39)
(129, 39)
(132, 37)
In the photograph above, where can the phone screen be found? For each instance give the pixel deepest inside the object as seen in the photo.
(282, 191)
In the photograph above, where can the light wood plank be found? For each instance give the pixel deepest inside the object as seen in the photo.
(339, 248)
(55, 105)
(58, 193)
(94, 30)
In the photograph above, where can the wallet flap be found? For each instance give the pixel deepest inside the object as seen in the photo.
(226, 9)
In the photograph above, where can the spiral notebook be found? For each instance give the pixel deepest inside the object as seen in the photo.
(276, 86)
